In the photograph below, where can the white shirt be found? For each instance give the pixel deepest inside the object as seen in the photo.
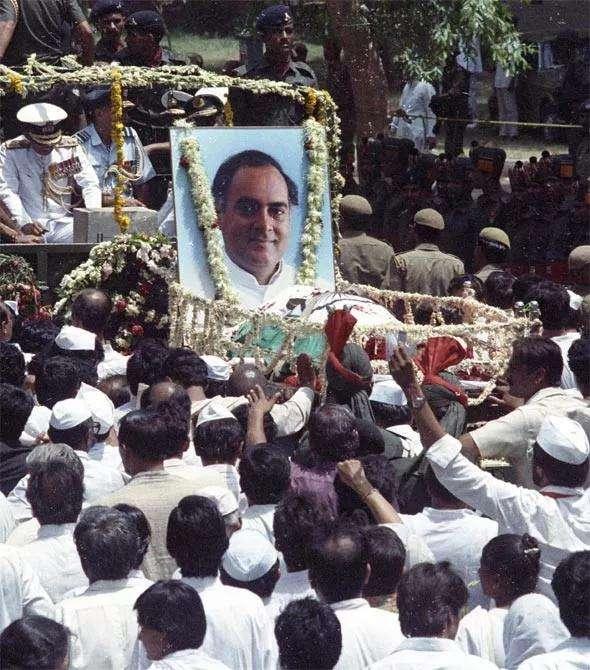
(458, 536)
(417, 551)
(103, 623)
(415, 101)
(512, 436)
(572, 654)
(107, 455)
(561, 525)
(239, 632)
(251, 294)
(36, 426)
(21, 593)
(188, 659)
(431, 653)
(7, 523)
(260, 518)
(291, 586)
(368, 634)
(113, 363)
(564, 342)
(481, 633)
(99, 481)
(102, 157)
(21, 182)
(54, 558)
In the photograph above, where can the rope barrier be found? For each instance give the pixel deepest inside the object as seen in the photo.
(529, 124)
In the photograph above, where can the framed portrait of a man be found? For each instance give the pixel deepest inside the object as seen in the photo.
(258, 180)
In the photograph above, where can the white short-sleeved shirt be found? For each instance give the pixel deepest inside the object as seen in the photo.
(188, 659)
(291, 586)
(480, 633)
(7, 522)
(260, 518)
(572, 654)
(564, 342)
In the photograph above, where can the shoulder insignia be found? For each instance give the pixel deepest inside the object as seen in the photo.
(18, 143)
(127, 132)
(68, 141)
(82, 136)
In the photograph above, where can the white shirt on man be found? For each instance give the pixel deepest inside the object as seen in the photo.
(564, 342)
(103, 623)
(368, 634)
(55, 560)
(415, 101)
(480, 633)
(291, 586)
(6, 519)
(260, 518)
(239, 632)
(431, 653)
(188, 659)
(113, 364)
(571, 654)
(561, 524)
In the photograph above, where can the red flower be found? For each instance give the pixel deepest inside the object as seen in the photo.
(121, 305)
(184, 162)
(144, 288)
(137, 330)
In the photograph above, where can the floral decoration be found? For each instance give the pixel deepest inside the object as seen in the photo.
(18, 283)
(118, 138)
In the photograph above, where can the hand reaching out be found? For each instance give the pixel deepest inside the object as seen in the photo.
(402, 368)
(352, 474)
(259, 402)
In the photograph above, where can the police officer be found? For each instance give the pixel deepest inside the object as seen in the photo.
(492, 252)
(426, 269)
(363, 259)
(109, 18)
(39, 172)
(275, 26)
(96, 140)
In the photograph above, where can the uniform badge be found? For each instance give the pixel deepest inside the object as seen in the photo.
(67, 168)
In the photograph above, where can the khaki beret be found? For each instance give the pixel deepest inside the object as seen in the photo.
(495, 235)
(355, 206)
(579, 258)
(429, 218)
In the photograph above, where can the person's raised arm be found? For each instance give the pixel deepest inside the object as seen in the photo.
(82, 33)
(259, 406)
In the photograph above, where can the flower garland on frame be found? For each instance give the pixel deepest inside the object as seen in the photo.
(118, 138)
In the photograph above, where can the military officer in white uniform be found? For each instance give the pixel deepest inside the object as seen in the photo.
(102, 152)
(39, 172)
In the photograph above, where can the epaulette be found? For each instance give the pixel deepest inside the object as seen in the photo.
(127, 132)
(82, 136)
(18, 143)
(68, 141)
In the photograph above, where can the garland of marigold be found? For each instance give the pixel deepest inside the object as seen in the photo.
(118, 137)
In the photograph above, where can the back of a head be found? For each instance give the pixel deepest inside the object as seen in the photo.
(12, 365)
(183, 366)
(571, 585)
(494, 251)
(244, 378)
(536, 353)
(116, 389)
(36, 335)
(578, 358)
(15, 409)
(332, 434)
(174, 609)
(523, 285)
(308, 635)
(265, 475)
(146, 365)
(146, 433)
(338, 565)
(142, 527)
(457, 286)
(196, 537)
(58, 379)
(499, 289)
(55, 488)
(298, 517)
(91, 309)
(219, 441)
(107, 542)
(440, 496)
(34, 643)
(387, 556)
(429, 599)
(554, 304)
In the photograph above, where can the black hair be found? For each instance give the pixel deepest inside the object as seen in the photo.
(332, 434)
(268, 423)
(12, 365)
(516, 560)
(244, 377)
(338, 564)
(498, 289)
(387, 557)
(147, 434)
(55, 490)
(436, 489)
(34, 643)
(571, 585)
(146, 364)
(535, 353)
(183, 366)
(523, 285)
(559, 473)
(309, 636)
(76, 437)
(116, 389)
(457, 283)
(175, 609)
(371, 440)
(107, 542)
(265, 475)
(381, 473)
(57, 378)
(218, 441)
(91, 309)
(15, 408)
(263, 587)
(247, 159)
(196, 537)
(428, 234)
(493, 251)
(37, 334)
(578, 358)
(427, 595)
(297, 518)
(176, 412)
(554, 304)
(142, 525)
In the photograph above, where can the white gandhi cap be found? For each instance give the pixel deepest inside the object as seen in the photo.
(71, 338)
(217, 368)
(213, 412)
(68, 414)
(249, 556)
(564, 439)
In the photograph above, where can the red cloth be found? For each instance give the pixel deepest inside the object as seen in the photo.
(438, 354)
(339, 326)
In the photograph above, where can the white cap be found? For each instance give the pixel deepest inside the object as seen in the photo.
(100, 405)
(219, 92)
(224, 499)
(213, 412)
(217, 368)
(178, 96)
(41, 113)
(564, 439)
(71, 338)
(249, 556)
(13, 304)
(69, 414)
(575, 300)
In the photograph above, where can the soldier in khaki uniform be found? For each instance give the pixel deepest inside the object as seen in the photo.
(426, 269)
(363, 259)
(492, 252)
(578, 264)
